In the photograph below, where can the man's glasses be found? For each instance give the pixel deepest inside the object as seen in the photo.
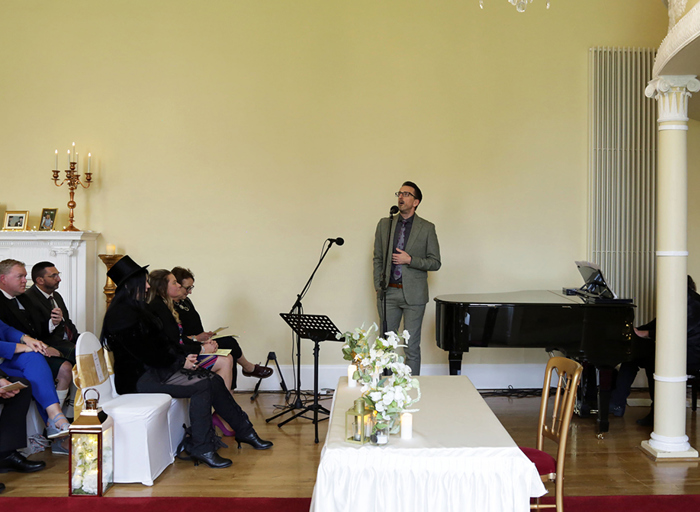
(404, 194)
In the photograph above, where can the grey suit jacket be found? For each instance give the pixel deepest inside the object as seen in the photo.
(423, 247)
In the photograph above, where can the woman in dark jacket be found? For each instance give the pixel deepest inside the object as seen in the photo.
(145, 362)
(164, 289)
(193, 330)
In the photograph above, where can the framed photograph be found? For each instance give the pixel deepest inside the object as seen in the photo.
(15, 221)
(48, 219)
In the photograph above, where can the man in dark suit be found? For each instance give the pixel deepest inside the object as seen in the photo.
(52, 308)
(18, 311)
(414, 251)
(13, 428)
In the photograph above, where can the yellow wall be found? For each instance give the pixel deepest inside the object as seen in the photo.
(234, 137)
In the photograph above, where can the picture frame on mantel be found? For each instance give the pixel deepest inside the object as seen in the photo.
(16, 220)
(48, 219)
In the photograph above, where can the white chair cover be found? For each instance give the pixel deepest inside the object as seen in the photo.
(140, 419)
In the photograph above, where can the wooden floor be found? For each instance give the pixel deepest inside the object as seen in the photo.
(613, 465)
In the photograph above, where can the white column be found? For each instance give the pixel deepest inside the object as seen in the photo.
(668, 440)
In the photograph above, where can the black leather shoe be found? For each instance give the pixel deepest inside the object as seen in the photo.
(18, 462)
(253, 440)
(211, 459)
(646, 421)
(2, 487)
(259, 372)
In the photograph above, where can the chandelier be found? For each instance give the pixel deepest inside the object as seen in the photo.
(520, 5)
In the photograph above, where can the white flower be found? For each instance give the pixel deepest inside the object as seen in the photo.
(375, 396)
(406, 335)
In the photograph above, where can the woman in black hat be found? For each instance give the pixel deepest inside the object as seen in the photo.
(145, 362)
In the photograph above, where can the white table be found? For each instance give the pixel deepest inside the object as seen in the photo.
(460, 459)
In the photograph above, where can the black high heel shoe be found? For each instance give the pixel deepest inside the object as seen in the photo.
(211, 459)
(253, 440)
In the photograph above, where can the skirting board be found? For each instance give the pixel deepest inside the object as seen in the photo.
(484, 376)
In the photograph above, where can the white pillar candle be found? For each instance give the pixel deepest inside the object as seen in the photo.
(56, 168)
(351, 371)
(111, 249)
(382, 437)
(406, 425)
(89, 159)
(73, 153)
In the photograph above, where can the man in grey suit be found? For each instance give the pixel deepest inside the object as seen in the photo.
(414, 251)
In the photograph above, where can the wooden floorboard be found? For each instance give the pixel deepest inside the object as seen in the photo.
(595, 467)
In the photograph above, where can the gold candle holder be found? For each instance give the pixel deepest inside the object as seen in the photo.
(72, 179)
(110, 288)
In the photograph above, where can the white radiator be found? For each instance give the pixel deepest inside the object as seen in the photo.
(622, 173)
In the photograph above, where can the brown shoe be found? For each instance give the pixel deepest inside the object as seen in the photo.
(259, 372)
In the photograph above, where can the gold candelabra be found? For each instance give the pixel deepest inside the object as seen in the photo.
(110, 288)
(73, 180)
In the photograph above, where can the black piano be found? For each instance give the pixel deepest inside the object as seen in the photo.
(595, 328)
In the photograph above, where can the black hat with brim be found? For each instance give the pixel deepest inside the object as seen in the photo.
(124, 269)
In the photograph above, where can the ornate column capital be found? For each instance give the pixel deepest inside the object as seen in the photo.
(672, 93)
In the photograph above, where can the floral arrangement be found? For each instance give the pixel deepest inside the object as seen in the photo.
(387, 395)
(85, 471)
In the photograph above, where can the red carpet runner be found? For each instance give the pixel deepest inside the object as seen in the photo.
(194, 504)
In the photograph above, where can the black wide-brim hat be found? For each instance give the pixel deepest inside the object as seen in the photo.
(124, 269)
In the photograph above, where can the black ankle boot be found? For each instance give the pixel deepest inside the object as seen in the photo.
(253, 440)
(211, 459)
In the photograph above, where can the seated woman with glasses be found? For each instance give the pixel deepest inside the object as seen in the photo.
(163, 292)
(145, 361)
(194, 331)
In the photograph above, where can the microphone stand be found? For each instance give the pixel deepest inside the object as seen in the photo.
(297, 309)
(385, 281)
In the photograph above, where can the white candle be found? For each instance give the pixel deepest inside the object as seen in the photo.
(89, 159)
(111, 249)
(73, 153)
(406, 425)
(351, 371)
(69, 158)
(56, 168)
(382, 437)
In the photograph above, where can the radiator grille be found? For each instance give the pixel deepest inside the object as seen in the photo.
(622, 173)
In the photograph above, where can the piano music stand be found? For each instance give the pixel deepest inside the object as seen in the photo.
(316, 328)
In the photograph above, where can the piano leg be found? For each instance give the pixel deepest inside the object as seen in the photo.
(605, 384)
(455, 359)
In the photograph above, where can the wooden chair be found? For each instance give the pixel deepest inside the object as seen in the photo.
(553, 424)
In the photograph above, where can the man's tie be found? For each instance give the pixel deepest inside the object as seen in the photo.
(67, 333)
(400, 244)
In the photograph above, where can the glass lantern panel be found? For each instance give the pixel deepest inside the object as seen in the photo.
(84, 470)
(107, 459)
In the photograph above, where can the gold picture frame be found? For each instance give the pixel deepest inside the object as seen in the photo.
(16, 220)
(47, 221)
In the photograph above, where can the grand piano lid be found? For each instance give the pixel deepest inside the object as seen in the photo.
(529, 297)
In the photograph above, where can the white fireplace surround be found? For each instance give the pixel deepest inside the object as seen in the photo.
(75, 255)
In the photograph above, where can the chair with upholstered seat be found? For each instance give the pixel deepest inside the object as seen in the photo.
(553, 424)
(142, 445)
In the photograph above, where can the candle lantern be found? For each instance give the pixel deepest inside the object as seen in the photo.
(91, 461)
(358, 423)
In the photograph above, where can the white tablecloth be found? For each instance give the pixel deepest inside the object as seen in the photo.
(460, 459)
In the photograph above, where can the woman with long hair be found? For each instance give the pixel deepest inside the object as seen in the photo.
(146, 362)
(164, 290)
(194, 331)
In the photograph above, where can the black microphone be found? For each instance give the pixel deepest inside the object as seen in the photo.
(394, 210)
(337, 241)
